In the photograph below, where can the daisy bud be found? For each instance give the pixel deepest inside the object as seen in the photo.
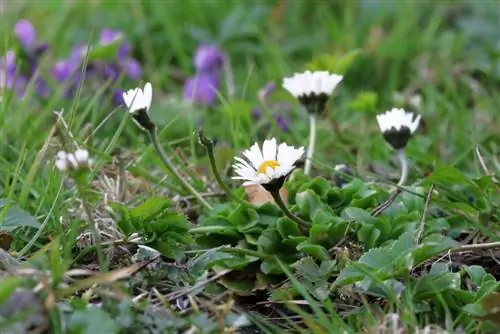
(78, 160)
(312, 89)
(139, 102)
(397, 127)
(268, 167)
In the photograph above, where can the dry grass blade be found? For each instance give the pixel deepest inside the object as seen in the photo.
(104, 278)
(485, 169)
(424, 214)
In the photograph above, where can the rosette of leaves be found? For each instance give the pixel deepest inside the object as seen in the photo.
(250, 240)
(158, 224)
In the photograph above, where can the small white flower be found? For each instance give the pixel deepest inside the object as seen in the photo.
(73, 161)
(397, 119)
(62, 161)
(272, 163)
(136, 99)
(312, 83)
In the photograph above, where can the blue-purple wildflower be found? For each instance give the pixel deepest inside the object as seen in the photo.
(202, 87)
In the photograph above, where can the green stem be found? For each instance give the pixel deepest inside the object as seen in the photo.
(93, 228)
(312, 144)
(404, 167)
(211, 157)
(284, 209)
(173, 170)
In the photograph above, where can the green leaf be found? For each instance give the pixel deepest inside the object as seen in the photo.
(368, 235)
(308, 202)
(287, 228)
(12, 217)
(319, 185)
(449, 176)
(93, 320)
(364, 102)
(270, 267)
(359, 215)
(269, 241)
(431, 246)
(104, 52)
(476, 273)
(316, 251)
(428, 286)
(150, 209)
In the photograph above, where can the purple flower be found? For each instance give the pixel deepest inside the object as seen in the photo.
(118, 97)
(202, 88)
(282, 122)
(132, 68)
(63, 69)
(256, 114)
(8, 62)
(266, 91)
(109, 36)
(41, 87)
(208, 58)
(25, 33)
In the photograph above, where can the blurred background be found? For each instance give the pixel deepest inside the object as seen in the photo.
(438, 58)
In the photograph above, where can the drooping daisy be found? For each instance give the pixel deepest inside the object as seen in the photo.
(138, 102)
(78, 160)
(312, 89)
(397, 126)
(268, 167)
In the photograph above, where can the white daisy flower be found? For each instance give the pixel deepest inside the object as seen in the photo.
(267, 167)
(73, 161)
(138, 102)
(312, 89)
(137, 99)
(397, 126)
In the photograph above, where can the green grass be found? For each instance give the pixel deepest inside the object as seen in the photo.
(356, 272)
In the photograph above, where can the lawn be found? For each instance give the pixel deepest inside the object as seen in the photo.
(130, 131)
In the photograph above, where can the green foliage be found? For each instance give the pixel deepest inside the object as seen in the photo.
(160, 227)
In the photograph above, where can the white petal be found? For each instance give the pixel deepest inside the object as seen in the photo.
(62, 165)
(269, 149)
(415, 124)
(148, 94)
(254, 155)
(61, 155)
(72, 160)
(82, 156)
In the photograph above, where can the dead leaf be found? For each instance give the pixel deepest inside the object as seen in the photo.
(258, 196)
(5, 240)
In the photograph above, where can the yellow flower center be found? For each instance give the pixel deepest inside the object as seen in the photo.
(268, 163)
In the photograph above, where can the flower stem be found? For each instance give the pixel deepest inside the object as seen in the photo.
(404, 167)
(208, 144)
(228, 76)
(170, 166)
(93, 228)
(312, 143)
(279, 202)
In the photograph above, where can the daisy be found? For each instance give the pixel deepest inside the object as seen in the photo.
(268, 167)
(312, 89)
(80, 159)
(398, 126)
(138, 102)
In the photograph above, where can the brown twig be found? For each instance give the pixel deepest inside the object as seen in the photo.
(382, 207)
(177, 294)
